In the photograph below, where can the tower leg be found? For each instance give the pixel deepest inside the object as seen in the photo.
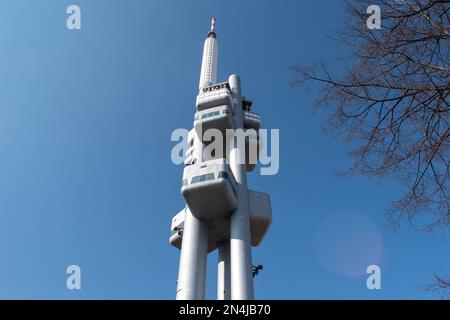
(240, 240)
(193, 257)
(223, 272)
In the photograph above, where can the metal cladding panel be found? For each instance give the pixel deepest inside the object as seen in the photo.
(252, 143)
(177, 222)
(209, 189)
(211, 199)
(215, 98)
(189, 158)
(219, 118)
(175, 240)
(252, 120)
(191, 137)
(260, 215)
(218, 230)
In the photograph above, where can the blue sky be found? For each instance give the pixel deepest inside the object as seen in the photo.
(85, 171)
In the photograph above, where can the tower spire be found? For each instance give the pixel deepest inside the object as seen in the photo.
(208, 74)
(213, 24)
(212, 31)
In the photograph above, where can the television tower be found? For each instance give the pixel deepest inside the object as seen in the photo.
(221, 212)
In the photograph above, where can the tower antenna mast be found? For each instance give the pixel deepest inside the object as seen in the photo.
(221, 212)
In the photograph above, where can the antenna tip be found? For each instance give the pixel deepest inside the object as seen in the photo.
(213, 24)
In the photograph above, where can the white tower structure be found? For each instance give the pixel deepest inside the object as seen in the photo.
(221, 212)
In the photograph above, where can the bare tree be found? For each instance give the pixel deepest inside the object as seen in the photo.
(389, 99)
(440, 286)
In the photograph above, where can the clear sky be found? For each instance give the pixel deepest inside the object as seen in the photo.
(85, 171)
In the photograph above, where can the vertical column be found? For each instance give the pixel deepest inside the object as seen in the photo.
(240, 241)
(223, 272)
(194, 250)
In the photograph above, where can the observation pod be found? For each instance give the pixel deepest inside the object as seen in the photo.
(260, 215)
(209, 189)
(220, 118)
(219, 229)
(252, 120)
(214, 96)
(177, 228)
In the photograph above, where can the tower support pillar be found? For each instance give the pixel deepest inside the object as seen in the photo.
(240, 240)
(223, 272)
(193, 257)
